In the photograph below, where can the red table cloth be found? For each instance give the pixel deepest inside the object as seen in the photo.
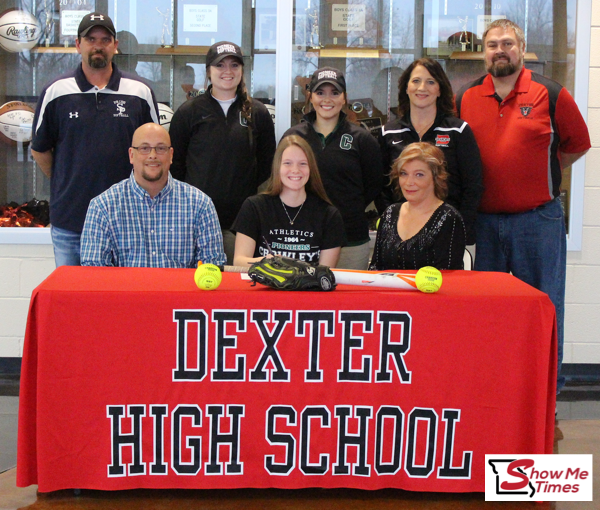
(135, 378)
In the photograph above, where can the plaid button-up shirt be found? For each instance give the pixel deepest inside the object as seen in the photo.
(125, 227)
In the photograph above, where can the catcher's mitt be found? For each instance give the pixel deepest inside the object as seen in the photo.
(283, 273)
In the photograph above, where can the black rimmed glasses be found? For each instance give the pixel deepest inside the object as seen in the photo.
(161, 150)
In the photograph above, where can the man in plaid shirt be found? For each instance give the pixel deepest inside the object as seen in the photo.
(151, 219)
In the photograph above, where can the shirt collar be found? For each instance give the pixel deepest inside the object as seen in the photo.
(215, 100)
(84, 85)
(521, 85)
(311, 117)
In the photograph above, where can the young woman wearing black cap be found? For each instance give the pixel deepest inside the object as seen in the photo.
(348, 158)
(223, 140)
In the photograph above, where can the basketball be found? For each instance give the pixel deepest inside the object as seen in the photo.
(19, 31)
(165, 114)
(16, 119)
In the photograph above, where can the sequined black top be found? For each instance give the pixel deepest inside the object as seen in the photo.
(440, 243)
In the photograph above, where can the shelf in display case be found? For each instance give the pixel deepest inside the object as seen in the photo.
(183, 50)
(478, 55)
(54, 49)
(347, 53)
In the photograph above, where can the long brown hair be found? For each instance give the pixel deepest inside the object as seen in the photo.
(444, 103)
(432, 156)
(314, 184)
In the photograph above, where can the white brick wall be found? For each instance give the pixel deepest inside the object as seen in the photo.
(22, 268)
(582, 319)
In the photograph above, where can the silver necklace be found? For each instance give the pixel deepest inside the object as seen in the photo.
(287, 214)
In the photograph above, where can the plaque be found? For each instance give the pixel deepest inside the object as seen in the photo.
(352, 24)
(71, 13)
(205, 22)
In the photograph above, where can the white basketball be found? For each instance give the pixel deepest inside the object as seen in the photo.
(16, 119)
(165, 114)
(19, 31)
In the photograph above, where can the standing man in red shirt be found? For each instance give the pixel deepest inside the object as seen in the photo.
(528, 129)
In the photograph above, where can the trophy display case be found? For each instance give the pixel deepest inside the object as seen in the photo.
(165, 42)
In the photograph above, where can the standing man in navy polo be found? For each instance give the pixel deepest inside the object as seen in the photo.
(83, 124)
(528, 129)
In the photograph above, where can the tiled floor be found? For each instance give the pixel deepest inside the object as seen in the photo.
(578, 431)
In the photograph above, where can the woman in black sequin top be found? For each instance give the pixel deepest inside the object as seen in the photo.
(424, 230)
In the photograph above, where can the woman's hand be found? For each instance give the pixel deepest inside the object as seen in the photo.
(244, 251)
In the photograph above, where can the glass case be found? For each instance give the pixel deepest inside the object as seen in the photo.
(165, 43)
(373, 41)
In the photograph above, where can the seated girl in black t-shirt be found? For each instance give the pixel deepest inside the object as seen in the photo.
(293, 217)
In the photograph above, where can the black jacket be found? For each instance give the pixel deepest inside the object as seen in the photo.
(214, 152)
(351, 170)
(456, 140)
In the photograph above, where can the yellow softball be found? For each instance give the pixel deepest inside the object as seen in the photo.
(207, 276)
(428, 279)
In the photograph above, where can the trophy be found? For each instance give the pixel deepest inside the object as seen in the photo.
(48, 24)
(314, 31)
(464, 36)
(166, 31)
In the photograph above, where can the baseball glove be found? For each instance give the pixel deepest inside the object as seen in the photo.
(283, 273)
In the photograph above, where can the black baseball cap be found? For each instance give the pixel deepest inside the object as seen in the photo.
(95, 19)
(328, 75)
(220, 50)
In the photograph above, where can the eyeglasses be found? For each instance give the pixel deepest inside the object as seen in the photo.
(161, 150)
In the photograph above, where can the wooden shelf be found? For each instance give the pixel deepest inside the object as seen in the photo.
(478, 55)
(54, 49)
(347, 53)
(183, 50)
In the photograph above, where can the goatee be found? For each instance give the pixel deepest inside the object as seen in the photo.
(98, 63)
(502, 69)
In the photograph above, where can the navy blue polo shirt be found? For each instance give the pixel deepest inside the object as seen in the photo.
(90, 132)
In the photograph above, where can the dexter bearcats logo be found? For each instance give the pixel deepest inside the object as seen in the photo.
(526, 109)
(442, 140)
(120, 104)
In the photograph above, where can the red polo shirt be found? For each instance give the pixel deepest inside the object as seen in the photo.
(520, 138)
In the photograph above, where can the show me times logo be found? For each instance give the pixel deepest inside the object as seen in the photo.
(538, 478)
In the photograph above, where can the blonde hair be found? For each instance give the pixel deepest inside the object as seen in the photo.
(429, 154)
